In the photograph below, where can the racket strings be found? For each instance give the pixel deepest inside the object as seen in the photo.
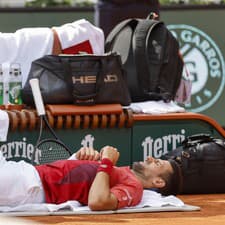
(51, 150)
(48, 150)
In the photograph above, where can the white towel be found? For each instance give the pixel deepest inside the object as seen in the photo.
(82, 35)
(150, 198)
(4, 125)
(28, 44)
(24, 46)
(155, 107)
(154, 199)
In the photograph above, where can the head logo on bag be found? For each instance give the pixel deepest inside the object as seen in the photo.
(205, 63)
(88, 79)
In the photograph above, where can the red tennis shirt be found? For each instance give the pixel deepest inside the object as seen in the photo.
(71, 180)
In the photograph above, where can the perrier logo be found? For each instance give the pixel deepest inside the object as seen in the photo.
(205, 63)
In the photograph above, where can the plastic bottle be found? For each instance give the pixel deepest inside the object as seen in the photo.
(15, 84)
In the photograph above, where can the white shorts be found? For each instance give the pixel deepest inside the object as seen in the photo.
(19, 183)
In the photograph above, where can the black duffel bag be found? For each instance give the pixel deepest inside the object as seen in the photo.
(202, 159)
(80, 79)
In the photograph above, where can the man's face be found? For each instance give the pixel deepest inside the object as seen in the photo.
(152, 167)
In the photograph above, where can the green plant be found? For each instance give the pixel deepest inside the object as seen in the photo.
(45, 3)
(83, 3)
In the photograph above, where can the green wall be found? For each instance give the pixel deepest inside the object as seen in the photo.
(13, 19)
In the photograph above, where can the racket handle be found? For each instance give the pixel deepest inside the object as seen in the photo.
(34, 83)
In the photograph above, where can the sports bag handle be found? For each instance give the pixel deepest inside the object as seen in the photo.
(201, 138)
(117, 29)
(87, 98)
(67, 72)
(197, 138)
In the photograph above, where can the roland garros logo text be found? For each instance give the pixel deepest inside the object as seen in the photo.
(205, 63)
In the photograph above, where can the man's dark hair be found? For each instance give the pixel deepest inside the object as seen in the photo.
(174, 180)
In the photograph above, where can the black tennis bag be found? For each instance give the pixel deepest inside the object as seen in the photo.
(150, 56)
(202, 159)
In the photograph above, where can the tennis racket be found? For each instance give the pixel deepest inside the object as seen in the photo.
(46, 149)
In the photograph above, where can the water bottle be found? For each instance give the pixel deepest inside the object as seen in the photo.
(15, 84)
(1, 86)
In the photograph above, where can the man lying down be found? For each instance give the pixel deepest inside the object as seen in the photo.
(93, 179)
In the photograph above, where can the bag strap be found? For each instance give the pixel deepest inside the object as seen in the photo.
(67, 72)
(202, 138)
(141, 52)
(48, 62)
(197, 138)
(220, 142)
(88, 98)
(117, 29)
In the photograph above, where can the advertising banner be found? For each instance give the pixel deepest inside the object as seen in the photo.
(201, 36)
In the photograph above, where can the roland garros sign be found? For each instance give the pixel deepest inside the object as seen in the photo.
(205, 64)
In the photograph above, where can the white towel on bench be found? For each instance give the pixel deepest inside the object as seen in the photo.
(156, 107)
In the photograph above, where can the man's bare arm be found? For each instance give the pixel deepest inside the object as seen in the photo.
(86, 153)
(100, 197)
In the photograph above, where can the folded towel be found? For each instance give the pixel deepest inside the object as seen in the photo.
(154, 199)
(155, 107)
(80, 35)
(150, 198)
(4, 125)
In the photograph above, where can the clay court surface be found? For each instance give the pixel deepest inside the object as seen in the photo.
(212, 213)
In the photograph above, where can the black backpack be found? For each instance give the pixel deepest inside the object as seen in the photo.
(150, 56)
(202, 160)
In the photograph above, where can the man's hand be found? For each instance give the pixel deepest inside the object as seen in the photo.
(110, 153)
(86, 153)
(100, 197)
